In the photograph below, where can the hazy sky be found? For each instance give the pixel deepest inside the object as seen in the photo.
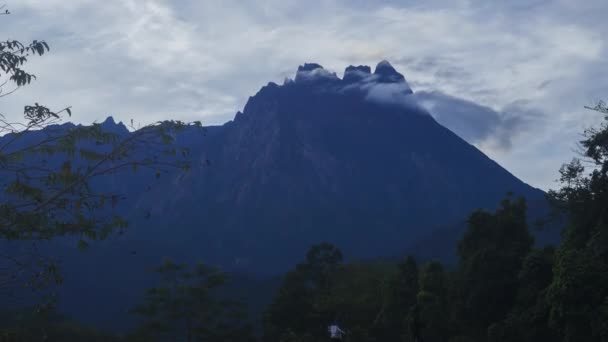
(511, 78)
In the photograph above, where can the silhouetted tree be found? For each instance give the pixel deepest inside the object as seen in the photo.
(403, 289)
(301, 305)
(491, 255)
(28, 326)
(185, 307)
(578, 295)
(432, 309)
(529, 318)
(47, 174)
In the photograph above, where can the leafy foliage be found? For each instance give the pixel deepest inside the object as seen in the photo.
(27, 325)
(185, 307)
(579, 291)
(371, 299)
(306, 290)
(49, 175)
(491, 253)
(14, 55)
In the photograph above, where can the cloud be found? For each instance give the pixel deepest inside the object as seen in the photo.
(476, 123)
(190, 60)
(317, 74)
(385, 86)
(390, 93)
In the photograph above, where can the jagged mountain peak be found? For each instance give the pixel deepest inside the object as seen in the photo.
(110, 125)
(384, 82)
(109, 121)
(313, 72)
(388, 74)
(385, 65)
(309, 67)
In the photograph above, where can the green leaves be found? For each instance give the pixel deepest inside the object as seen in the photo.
(37, 113)
(185, 298)
(21, 77)
(576, 296)
(38, 47)
(13, 55)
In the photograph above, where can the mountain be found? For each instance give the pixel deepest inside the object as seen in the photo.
(353, 161)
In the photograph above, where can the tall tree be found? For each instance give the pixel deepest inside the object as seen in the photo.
(303, 304)
(529, 319)
(491, 255)
(402, 290)
(578, 295)
(432, 309)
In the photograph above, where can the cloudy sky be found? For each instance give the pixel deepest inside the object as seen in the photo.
(511, 78)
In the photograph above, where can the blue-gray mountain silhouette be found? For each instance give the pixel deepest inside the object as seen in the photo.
(320, 159)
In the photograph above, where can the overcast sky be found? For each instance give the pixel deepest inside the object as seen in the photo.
(510, 78)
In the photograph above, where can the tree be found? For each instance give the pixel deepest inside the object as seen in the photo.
(491, 255)
(360, 299)
(185, 307)
(290, 310)
(370, 300)
(48, 174)
(302, 305)
(25, 325)
(321, 262)
(578, 294)
(431, 311)
(529, 319)
(402, 291)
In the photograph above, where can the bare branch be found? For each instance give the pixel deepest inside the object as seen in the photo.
(9, 93)
(599, 107)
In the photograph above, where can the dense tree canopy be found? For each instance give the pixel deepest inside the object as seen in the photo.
(504, 288)
(491, 254)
